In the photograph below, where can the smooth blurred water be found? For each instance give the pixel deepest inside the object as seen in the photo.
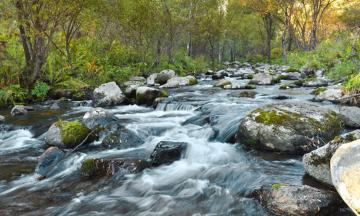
(215, 177)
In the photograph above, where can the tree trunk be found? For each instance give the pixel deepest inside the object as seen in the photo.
(268, 22)
(158, 53)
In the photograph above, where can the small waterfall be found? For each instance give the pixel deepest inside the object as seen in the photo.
(177, 106)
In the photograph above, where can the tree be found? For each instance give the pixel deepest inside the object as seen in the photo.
(351, 18)
(38, 21)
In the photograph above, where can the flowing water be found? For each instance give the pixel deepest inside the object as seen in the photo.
(215, 177)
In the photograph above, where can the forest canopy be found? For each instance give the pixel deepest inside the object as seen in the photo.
(47, 44)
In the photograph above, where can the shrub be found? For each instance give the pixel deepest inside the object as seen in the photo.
(353, 84)
(40, 90)
(12, 94)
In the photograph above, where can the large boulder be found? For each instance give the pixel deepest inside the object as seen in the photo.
(97, 117)
(147, 95)
(121, 138)
(48, 160)
(176, 82)
(20, 110)
(333, 94)
(108, 94)
(167, 152)
(317, 162)
(345, 174)
(97, 167)
(295, 128)
(164, 76)
(67, 134)
(297, 200)
(350, 116)
(264, 79)
(223, 82)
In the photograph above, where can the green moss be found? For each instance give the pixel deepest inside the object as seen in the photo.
(290, 70)
(299, 83)
(319, 90)
(192, 81)
(87, 166)
(273, 117)
(276, 186)
(282, 87)
(72, 132)
(249, 86)
(164, 93)
(350, 137)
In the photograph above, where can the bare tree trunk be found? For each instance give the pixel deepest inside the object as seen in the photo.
(268, 23)
(158, 52)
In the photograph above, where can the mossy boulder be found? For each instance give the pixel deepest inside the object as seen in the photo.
(317, 162)
(146, 95)
(98, 167)
(66, 134)
(295, 128)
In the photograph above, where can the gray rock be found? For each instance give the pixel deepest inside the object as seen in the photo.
(2, 119)
(264, 79)
(130, 91)
(47, 162)
(146, 95)
(345, 174)
(297, 200)
(97, 117)
(121, 138)
(176, 82)
(167, 152)
(108, 94)
(221, 83)
(316, 83)
(350, 116)
(317, 162)
(164, 76)
(20, 110)
(332, 94)
(151, 79)
(291, 75)
(219, 75)
(295, 128)
(65, 134)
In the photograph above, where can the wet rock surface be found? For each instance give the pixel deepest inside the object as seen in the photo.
(108, 94)
(297, 200)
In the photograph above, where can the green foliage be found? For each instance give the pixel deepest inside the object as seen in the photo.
(353, 84)
(40, 90)
(12, 94)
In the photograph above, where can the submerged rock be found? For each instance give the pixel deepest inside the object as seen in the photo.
(20, 110)
(108, 94)
(48, 161)
(108, 167)
(121, 138)
(167, 152)
(66, 134)
(294, 128)
(249, 94)
(317, 162)
(164, 76)
(345, 174)
(97, 117)
(297, 200)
